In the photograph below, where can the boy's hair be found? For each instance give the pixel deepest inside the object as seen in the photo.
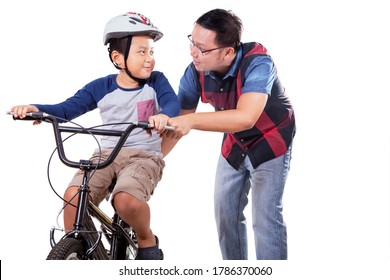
(118, 45)
(227, 26)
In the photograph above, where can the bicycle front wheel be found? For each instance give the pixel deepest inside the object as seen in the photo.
(67, 249)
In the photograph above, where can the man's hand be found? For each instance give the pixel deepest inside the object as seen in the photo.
(181, 126)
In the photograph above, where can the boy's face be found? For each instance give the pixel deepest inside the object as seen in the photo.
(141, 61)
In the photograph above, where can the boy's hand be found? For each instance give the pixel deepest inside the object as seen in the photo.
(20, 111)
(158, 122)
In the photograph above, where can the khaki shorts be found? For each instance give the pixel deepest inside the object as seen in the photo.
(135, 171)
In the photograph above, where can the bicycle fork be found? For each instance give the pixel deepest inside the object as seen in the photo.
(82, 204)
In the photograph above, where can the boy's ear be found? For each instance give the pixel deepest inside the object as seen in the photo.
(117, 58)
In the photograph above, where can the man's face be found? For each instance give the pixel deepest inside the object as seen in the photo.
(206, 54)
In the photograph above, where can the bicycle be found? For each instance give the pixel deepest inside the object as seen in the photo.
(84, 241)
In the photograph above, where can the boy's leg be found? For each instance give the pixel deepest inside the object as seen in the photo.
(135, 184)
(137, 214)
(71, 195)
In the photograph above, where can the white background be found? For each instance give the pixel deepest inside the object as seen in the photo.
(333, 58)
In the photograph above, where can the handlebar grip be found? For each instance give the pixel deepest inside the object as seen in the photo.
(30, 116)
(147, 125)
(143, 124)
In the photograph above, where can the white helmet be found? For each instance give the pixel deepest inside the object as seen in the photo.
(130, 24)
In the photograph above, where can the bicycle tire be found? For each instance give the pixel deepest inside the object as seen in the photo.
(124, 250)
(67, 249)
(100, 252)
(71, 248)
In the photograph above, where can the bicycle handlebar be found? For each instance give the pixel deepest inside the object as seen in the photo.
(58, 129)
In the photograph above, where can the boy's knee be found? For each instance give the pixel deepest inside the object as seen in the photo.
(71, 192)
(126, 203)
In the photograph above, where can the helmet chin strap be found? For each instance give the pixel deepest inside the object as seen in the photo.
(140, 81)
(128, 44)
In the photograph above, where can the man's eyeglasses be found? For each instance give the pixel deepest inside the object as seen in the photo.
(202, 52)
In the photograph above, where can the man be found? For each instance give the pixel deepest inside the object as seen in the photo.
(241, 82)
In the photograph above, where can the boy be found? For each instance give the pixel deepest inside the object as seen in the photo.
(136, 93)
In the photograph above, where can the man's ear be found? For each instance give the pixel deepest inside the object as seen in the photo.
(229, 52)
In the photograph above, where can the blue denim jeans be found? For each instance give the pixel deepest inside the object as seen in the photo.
(266, 183)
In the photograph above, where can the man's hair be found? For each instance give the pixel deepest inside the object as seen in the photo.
(227, 26)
